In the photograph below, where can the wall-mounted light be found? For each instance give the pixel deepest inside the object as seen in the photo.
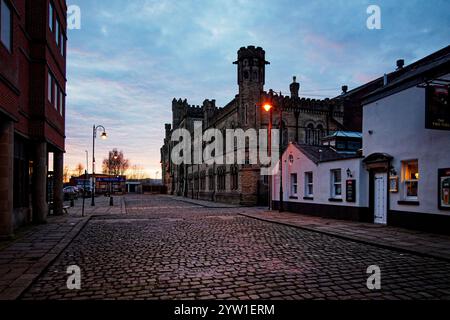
(349, 173)
(393, 172)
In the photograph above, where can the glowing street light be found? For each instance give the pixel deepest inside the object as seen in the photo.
(267, 107)
(104, 136)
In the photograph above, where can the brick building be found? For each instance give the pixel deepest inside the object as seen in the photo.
(304, 120)
(32, 109)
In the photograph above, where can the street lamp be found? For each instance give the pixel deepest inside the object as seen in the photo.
(103, 136)
(268, 107)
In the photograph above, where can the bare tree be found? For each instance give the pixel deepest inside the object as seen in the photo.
(79, 169)
(115, 164)
(66, 174)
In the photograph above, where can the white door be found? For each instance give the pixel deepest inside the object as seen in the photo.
(380, 198)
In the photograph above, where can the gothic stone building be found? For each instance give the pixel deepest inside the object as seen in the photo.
(304, 121)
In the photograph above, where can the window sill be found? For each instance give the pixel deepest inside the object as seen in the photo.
(293, 198)
(308, 198)
(409, 203)
(335, 200)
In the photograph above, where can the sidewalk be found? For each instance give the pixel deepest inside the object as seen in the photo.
(411, 241)
(203, 203)
(22, 260)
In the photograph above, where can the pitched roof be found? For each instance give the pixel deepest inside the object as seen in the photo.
(345, 134)
(318, 154)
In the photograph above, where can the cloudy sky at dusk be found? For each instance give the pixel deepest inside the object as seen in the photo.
(131, 58)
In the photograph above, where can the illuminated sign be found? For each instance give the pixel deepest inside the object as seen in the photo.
(437, 108)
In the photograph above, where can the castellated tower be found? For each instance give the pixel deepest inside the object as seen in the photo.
(251, 79)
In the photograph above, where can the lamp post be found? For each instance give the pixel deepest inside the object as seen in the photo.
(104, 136)
(268, 107)
(85, 182)
(281, 154)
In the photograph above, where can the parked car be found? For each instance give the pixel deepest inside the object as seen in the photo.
(70, 193)
(87, 192)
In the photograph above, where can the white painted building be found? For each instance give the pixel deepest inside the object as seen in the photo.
(320, 181)
(407, 147)
(403, 175)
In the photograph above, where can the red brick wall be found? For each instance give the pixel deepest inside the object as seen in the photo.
(23, 72)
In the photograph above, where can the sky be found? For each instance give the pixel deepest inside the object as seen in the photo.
(130, 58)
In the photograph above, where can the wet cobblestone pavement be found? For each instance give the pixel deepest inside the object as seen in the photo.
(163, 248)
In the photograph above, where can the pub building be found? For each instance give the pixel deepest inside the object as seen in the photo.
(324, 180)
(401, 176)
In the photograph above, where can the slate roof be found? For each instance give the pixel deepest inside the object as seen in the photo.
(318, 154)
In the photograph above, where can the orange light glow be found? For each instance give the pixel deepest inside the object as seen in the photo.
(267, 107)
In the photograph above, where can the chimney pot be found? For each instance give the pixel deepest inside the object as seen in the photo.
(400, 64)
(344, 89)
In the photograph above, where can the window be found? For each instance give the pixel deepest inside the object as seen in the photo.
(50, 86)
(55, 92)
(336, 184)
(234, 178)
(203, 180)
(411, 178)
(309, 185)
(212, 180)
(309, 134)
(57, 32)
(61, 102)
(50, 16)
(5, 25)
(319, 134)
(221, 178)
(294, 185)
(63, 44)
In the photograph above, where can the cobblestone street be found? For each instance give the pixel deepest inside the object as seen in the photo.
(164, 248)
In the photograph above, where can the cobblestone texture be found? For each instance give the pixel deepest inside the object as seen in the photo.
(167, 249)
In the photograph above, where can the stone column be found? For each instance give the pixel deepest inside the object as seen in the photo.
(6, 178)
(39, 192)
(58, 176)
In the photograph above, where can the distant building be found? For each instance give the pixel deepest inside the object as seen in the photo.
(401, 177)
(32, 109)
(305, 121)
(104, 183)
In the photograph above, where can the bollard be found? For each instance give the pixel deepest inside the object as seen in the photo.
(111, 201)
(72, 203)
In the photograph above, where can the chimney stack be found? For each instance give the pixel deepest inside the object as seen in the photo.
(295, 88)
(400, 64)
(344, 89)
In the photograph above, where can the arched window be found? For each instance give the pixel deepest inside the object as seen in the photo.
(320, 133)
(309, 134)
(234, 177)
